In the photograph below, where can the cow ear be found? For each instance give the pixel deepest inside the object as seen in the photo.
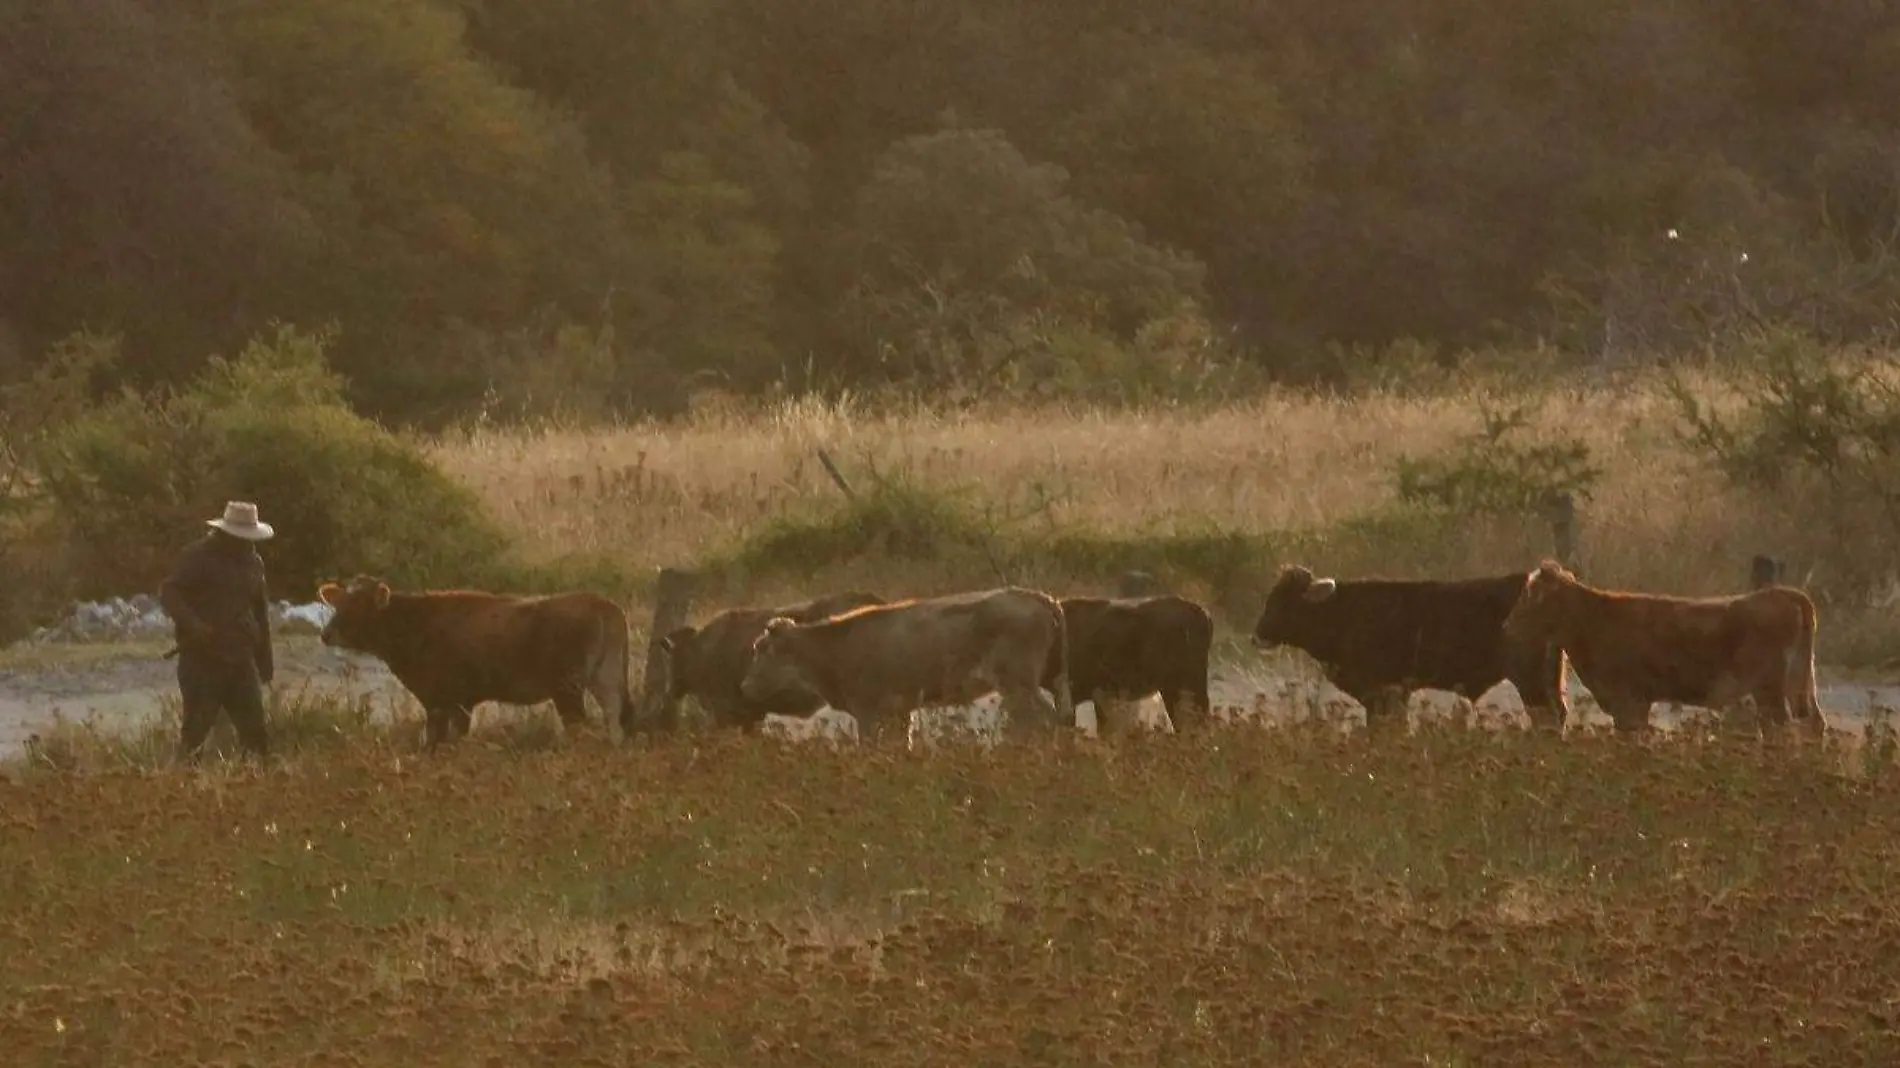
(382, 595)
(330, 593)
(1320, 590)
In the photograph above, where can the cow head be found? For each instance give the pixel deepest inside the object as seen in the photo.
(775, 666)
(1279, 622)
(679, 657)
(1535, 616)
(357, 610)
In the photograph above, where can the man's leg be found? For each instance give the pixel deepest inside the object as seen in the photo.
(200, 700)
(244, 700)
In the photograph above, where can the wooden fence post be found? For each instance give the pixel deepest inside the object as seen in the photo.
(1135, 584)
(672, 602)
(1563, 531)
(1765, 571)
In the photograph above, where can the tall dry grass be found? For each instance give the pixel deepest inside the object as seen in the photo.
(655, 494)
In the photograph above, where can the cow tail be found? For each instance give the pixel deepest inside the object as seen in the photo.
(622, 665)
(1065, 699)
(1806, 692)
(608, 668)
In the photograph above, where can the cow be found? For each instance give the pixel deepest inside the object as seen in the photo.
(1379, 640)
(709, 661)
(881, 662)
(1634, 649)
(1127, 648)
(454, 649)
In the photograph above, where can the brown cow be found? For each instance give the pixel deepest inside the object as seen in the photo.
(1381, 639)
(1128, 648)
(1634, 649)
(454, 649)
(882, 662)
(709, 661)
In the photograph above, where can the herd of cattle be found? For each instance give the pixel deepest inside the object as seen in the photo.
(1378, 640)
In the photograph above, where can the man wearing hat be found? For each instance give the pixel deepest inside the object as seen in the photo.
(216, 599)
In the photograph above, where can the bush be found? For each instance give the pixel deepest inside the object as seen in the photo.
(134, 479)
(30, 410)
(1812, 443)
(1489, 472)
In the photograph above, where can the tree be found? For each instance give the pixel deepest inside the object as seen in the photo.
(959, 248)
(135, 195)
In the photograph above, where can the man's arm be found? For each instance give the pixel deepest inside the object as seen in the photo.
(174, 595)
(260, 612)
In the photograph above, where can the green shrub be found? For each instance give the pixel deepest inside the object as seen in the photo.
(1489, 472)
(134, 479)
(893, 515)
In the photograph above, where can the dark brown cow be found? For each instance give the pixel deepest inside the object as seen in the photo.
(1125, 649)
(454, 649)
(882, 662)
(1634, 649)
(1379, 640)
(708, 662)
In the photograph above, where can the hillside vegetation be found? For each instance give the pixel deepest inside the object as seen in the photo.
(593, 208)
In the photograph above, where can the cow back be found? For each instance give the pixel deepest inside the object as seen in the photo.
(1135, 645)
(712, 663)
(1443, 635)
(893, 652)
(469, 646)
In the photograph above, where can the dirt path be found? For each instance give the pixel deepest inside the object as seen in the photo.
(119, 685)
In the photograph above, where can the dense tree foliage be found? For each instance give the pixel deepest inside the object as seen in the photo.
(607, 203)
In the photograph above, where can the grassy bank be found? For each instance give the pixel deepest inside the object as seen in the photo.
(1449, 475)
(1213, 499)
(1453, 899)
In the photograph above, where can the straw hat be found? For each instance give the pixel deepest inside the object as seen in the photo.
(240, 521)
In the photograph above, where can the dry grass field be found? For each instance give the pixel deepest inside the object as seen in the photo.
(668, 494)
(1293, 894)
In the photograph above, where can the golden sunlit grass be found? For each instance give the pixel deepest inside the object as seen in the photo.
(668, 494)
(1291, 894)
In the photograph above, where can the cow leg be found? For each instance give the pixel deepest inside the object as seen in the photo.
(436, 726)
(1539, 678)
(1629, 714)
(1386, 708)
(464, 721)
(1189, 708)
(1771, 705)
(571, 706)
(1464, 710)
(1108, 723)
(1730, 697)
(1031, 712)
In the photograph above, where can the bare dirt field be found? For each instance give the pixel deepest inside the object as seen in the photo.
(118, 685)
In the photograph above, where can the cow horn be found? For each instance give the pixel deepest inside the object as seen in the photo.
(1321, 589)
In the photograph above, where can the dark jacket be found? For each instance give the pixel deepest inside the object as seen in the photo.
(218, 603)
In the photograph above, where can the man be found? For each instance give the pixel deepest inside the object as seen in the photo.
(216, 599)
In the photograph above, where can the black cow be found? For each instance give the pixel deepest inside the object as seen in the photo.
(1129, 648)
(1381, 639)
(709, 661)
